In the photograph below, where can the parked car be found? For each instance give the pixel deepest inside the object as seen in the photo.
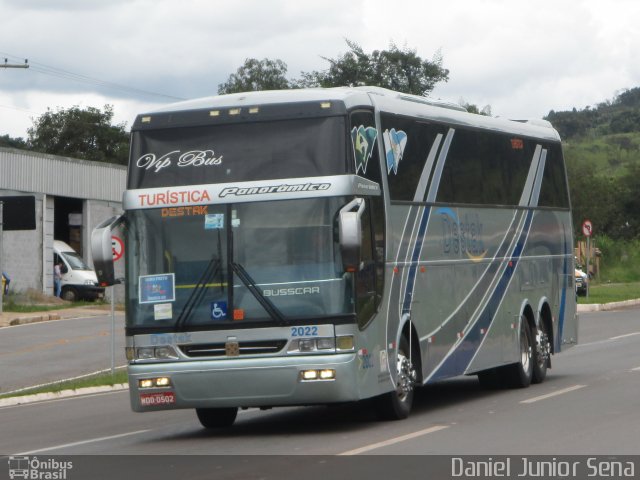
(581, 282)
(79, 281)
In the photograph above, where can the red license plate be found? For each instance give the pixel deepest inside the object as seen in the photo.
(157, 398)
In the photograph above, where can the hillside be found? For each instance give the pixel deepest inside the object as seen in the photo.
(602, 150)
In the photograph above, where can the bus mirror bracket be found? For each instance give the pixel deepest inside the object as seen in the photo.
(102, 251)
(350, 234)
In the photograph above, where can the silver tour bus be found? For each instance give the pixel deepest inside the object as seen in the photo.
(333, 245)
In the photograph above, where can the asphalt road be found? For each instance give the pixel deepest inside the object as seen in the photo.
(589, 405)
(38, 353)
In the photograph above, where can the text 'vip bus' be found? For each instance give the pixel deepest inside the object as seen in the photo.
(332, 245)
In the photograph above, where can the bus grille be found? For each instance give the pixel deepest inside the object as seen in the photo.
(261, 347)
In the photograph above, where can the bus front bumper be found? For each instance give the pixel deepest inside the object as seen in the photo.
(243, 383)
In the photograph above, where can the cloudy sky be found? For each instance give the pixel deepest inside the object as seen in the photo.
(521, 57)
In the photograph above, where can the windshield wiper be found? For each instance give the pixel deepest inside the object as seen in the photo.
(267, 304)
(212, 269)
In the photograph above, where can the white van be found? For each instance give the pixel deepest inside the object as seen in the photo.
(78, 280)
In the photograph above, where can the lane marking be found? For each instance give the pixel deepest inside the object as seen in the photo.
(84, 442)
(637, 369)
(598, 342)
(625, 336)
(553, 394)
(395, 440)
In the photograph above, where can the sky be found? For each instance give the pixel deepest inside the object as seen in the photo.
(523, 58)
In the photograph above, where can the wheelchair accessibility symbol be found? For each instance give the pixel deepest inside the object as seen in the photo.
(218, 310)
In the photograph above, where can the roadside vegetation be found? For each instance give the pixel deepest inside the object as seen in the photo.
(97, 380)
(34, 301)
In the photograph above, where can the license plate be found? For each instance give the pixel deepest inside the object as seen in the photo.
(157, 398)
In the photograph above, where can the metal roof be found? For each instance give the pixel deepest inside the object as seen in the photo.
(27, 171)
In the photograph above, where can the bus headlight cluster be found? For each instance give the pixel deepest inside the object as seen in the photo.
(165, 352)
(317, 375)
(309, 345)
(154, 382)
(321, 344)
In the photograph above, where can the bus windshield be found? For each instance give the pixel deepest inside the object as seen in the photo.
(282, 259)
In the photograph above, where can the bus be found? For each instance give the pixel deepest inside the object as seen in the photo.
(319, 246)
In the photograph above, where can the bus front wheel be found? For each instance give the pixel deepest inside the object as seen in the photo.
(396, 405)
(217, 417)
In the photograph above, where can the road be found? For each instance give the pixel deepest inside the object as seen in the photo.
(38, 353)
(588, 405)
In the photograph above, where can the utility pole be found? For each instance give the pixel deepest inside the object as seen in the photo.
(6, 64)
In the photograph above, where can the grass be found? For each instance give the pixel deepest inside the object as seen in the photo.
(611, 292)
(34, 301)
(97, 380)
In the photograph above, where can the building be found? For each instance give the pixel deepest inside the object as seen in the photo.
(49, 197)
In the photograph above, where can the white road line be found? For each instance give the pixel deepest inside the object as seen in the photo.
(625, 336)
(553, 394)
(637, 369)
(83, 442)
(392, 441)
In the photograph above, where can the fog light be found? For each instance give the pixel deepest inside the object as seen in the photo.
(327, 374)
(163, 382)
(145, 383)
(309, 374)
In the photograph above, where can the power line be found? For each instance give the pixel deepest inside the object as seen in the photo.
(67, 75)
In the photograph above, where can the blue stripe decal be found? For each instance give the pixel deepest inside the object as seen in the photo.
(415, 257)
(459, 360)
(563, 299)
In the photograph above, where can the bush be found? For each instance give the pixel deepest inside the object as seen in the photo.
(620, 260)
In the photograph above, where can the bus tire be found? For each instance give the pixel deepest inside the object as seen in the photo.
(396, 405)
(217, 417)
(519, 375)
(541, 354)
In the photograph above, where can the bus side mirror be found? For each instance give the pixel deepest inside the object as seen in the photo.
(350, 234)
(102, 252)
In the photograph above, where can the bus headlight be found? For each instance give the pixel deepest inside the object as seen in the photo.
(312, 345)
(165, 352)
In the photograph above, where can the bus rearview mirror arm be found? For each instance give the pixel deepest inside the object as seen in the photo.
(350, 234)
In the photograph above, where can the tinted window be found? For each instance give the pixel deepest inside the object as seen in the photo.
(485, 168)
(407, 143)
(553, 192)
(238, 152)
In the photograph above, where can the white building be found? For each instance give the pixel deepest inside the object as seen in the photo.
(49, 197)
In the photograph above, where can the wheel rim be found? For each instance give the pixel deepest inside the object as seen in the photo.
(525, 350)
(543, 348)
(406, 377)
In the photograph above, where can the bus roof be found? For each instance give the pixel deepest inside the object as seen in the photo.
(367, 96)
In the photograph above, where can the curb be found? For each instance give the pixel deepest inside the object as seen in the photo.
(41, 397)
(604, 307)
(41, 318)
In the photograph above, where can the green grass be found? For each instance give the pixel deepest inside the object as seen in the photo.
(98, 380)
(611, 292)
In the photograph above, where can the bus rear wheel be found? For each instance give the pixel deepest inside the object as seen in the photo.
(520, 375)
(396, 405)
(217, 417)
(541, 354)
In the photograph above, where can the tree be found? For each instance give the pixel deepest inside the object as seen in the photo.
(12, 142)
(256, 75)
(81, 133)
(397, 69)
